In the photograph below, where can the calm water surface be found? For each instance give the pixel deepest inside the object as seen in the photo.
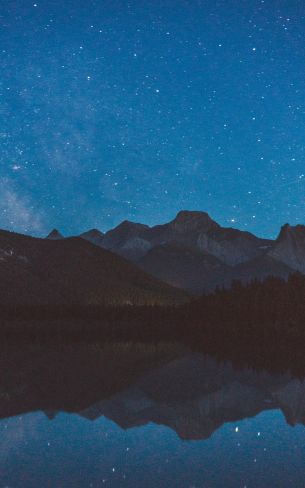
(126, 416)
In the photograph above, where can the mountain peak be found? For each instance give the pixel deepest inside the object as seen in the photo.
(128, 224)
(290, 230)
(94, 236)
(127, 228)
(192, 220)
(126, 235)
(55, 235)
(94, 233)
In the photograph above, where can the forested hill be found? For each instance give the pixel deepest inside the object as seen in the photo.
(275, 302)
(73, 272)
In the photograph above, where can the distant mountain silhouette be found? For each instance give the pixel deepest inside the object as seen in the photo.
(195, 253)
(94, 236)
(73, 271)
(289, 247)
(128, 239)
(55, 235)
(193, 229)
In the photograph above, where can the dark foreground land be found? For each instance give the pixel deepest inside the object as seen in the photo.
(260, 324)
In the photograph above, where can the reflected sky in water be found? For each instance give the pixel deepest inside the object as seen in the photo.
(133, 416)
(70, 451)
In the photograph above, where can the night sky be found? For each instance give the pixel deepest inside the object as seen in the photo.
(114, 110)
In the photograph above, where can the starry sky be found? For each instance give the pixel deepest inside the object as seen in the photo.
(117, 109)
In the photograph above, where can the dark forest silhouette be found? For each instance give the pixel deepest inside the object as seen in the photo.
(250, 321)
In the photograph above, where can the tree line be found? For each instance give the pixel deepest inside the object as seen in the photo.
(254, 320)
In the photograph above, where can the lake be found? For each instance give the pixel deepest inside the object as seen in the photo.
(130, 415)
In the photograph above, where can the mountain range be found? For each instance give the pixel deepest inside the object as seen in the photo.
(137, 264)
(73, 271)
(195, 253)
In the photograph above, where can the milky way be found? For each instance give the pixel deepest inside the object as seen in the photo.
(115, 110)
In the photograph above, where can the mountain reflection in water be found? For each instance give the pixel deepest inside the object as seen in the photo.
(136, 385)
